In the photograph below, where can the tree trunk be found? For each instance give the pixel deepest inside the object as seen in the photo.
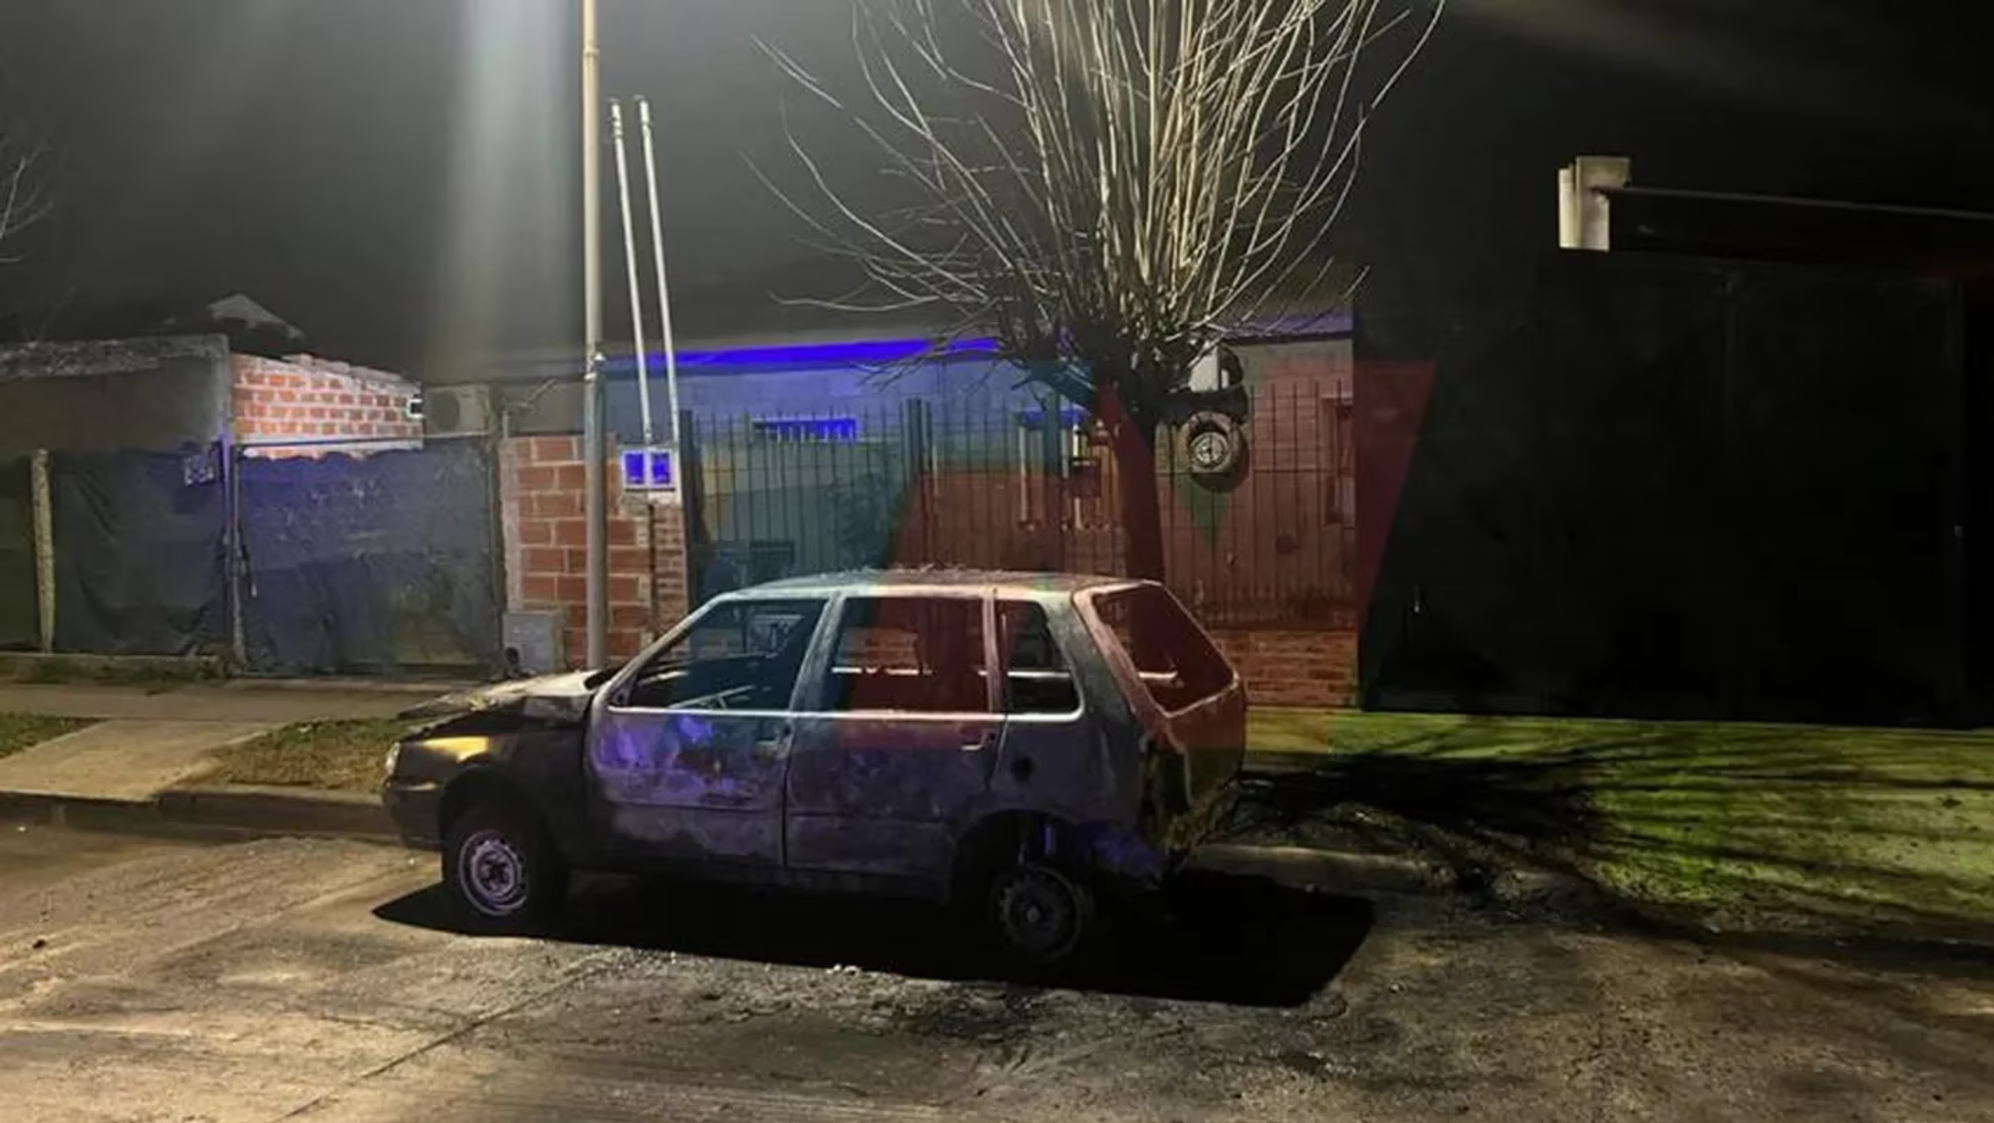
(1134, 445)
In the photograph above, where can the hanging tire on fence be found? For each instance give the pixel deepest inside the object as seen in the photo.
(1214, 449)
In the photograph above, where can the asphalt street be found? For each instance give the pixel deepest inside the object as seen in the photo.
(148, 982)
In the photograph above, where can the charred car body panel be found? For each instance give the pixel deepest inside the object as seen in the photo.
(855, 730)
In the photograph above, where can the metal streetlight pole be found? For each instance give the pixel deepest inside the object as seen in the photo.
(595, 511)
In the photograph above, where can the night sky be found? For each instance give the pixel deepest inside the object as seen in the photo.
(398, 177)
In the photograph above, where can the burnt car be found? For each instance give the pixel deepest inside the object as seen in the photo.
(1016, 744)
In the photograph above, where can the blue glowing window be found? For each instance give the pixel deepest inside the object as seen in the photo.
(809, 430)
(661, 469)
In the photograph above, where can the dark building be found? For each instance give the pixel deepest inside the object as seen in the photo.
(1735, 468)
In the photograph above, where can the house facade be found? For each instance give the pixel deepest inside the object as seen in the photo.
(846, 453)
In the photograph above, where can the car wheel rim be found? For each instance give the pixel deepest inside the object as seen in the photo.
(492, 873)
(1038, 913)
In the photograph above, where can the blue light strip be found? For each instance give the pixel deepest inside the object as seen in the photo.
(875, 352)
(864, 353)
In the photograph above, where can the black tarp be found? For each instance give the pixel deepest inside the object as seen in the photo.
(139, 552)
(370, 564)
(20, 626)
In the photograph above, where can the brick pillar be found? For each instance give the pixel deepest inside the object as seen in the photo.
(541, 488)
(671, 583)
(540, 491)
(513, 455)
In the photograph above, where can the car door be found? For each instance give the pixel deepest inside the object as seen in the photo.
(689, 747)
(900, 735)
(1051, 758)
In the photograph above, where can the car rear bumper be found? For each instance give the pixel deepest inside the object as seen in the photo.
(415, 807)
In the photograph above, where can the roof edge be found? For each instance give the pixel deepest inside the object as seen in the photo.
(108, 356)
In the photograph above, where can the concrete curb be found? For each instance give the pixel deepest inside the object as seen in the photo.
(278, 811)
(412, 688)
(232, 812)
(1298, 867)
(236, 812)
(120, 816)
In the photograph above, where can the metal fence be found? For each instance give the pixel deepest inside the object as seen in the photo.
(984, 482)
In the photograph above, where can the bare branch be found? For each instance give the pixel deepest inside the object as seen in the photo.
(1108, 184)
(24, 197)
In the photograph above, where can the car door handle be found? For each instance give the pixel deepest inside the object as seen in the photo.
(772, 748)
(978, 740)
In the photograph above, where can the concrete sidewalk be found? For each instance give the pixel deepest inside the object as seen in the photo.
(259, 703)
(148, 742)
(123, 759)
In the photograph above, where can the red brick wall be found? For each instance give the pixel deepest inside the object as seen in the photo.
(541, 487)
(316, 400)
(1293, 668)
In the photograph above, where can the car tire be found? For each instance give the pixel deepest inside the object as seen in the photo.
(1038, 915)
(501, 870)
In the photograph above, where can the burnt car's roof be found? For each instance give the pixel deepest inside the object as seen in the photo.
(907, 580)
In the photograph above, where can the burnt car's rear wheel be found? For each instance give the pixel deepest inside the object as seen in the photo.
(501, 870)
(1039, 913)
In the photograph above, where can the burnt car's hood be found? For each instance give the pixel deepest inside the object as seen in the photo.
(562, 697)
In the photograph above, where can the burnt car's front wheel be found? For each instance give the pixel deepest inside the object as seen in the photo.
(1039, 913)
(501, 870)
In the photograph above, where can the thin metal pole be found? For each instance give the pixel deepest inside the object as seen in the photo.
(636, 290)
(658, 256)
(41, 496)
(595, 505)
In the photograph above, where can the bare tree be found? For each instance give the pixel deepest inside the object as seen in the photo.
(1108, 187)
(23, 192)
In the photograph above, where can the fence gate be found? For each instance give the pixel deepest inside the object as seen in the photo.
(370, 564)
(779, 498)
